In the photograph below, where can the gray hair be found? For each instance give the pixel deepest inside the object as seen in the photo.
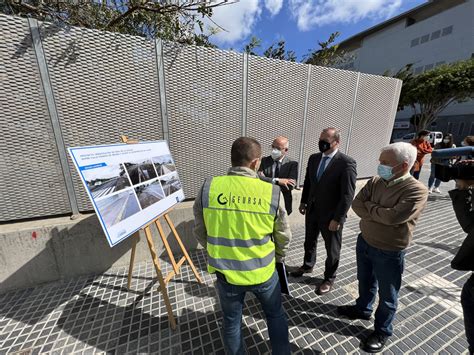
(404, 152)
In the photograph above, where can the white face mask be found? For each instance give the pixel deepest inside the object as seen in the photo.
(427, 138)
(276, 154)
(446, 141)
(464, 144)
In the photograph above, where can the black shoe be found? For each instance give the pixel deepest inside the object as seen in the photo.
(374, 343)
(301, 270)
(352, 312)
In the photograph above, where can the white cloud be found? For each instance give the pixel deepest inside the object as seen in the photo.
(237, 19)
(312, 13)
(273, 6)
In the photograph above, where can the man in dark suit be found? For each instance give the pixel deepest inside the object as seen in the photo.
(280, 170)
(328, 192)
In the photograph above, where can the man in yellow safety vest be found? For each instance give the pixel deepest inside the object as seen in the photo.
(242, 222)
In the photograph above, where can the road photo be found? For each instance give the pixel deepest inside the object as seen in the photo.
(170, 183)
(116, 208)
(164, 164)
(149, 193)
(140, 171)
(104, 180)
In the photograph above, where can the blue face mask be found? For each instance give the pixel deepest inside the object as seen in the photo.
(385, 172)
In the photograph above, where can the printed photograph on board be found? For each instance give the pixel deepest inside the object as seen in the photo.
(149, 193)
(116, 208)
(140, 171)
(170, 183)
(164, 164)
(105, 180)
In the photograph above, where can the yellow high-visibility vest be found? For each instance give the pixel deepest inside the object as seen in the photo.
(239, 214)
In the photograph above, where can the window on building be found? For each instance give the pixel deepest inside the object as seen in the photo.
(447, 30)
(472, 55)
(471, 131)
(425, 38)
(418, 70)
(436, 35)
(429, 67)
(461, 128)
(450, 127)
(415, 42)
(440, 63)
(410, 21)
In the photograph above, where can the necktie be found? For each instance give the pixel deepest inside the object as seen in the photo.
(321, 168)
(277, 169)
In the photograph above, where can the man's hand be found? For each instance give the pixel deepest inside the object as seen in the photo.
(302, 208)
(286, 182)
(464, 184)
(334, 226)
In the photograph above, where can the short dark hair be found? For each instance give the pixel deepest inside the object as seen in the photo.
(244, 150)
(336, 133)
(422, 133)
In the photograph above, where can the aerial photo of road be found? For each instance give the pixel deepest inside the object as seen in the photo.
(105, 180)
(140, 171)
(149, 194)
(118, 207)
(164, 164)
(170, 184)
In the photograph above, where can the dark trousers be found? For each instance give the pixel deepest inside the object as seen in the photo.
(382, 269)
(467, 302)
(332, 242)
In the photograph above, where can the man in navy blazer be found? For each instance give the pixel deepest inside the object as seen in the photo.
(328, 192)
(280, 170)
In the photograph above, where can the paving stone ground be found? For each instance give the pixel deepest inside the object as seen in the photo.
(98, 314)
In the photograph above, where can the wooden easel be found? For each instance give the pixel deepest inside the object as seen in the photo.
(151, 245)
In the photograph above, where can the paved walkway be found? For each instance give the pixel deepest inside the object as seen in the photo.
(97, 314)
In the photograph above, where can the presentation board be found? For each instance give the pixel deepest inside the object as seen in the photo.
(129, 184)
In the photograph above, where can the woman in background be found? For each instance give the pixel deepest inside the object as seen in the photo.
(423, 147)
(448, 142)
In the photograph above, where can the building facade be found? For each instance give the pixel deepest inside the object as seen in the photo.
(435, 33)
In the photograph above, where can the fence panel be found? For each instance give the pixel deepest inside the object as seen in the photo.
(31, 178)
(330, 104)
(276, 96)
(105, 84)
(374, 114)
(204, 98)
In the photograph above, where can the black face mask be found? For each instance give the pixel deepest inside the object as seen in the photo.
(324, 146)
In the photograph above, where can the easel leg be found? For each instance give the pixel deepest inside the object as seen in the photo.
(167, 246)
(183, 249)
(136, 239)
(164, 292)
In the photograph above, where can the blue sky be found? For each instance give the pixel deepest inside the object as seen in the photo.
(301, 23)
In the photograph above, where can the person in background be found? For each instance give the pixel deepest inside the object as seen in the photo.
(423, 147)
(242, 223)
(468, 141)
(448, 142)
(280, 170)
(389, 206)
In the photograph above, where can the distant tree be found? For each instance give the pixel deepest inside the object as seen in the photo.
(278, 51)
(328, 54)
(429, 93)
(167, 19)
(254, 43)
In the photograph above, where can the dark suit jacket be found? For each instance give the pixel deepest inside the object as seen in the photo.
(331, 196)
(288, 170)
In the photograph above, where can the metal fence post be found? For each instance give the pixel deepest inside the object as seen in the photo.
(303, 129)
(53, 113)
(352, 115)
(162, 87)
(245, 86)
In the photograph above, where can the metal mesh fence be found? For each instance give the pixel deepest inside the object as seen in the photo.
(107, 84)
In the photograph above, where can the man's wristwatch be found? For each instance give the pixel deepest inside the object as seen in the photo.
(275, 181)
